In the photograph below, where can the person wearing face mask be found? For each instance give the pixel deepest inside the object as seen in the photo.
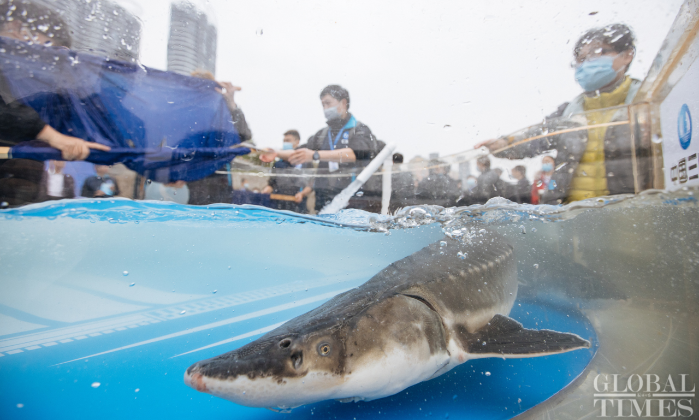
(298, 187)
(341, 148)
(543, 182)
(596, 161)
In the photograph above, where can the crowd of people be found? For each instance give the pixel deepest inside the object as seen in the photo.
(576, 164)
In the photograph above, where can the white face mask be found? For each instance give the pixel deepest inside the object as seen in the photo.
(331, 113)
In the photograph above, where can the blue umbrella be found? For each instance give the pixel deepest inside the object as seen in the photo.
(164, 125)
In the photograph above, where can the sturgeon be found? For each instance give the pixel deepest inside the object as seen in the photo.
(413, 321)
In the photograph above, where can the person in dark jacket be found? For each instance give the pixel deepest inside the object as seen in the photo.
(438, 187)
(296, 186)
(339, 150)
(596, 161)
(402, 185)
(521, 192)
(20, 179)
(489, 183)
(100, 185)
(216, 188)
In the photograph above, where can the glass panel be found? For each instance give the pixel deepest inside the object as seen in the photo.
(177, 243)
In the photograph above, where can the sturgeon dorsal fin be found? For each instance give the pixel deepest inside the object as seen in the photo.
(505, 337)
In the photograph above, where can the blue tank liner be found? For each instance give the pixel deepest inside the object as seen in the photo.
(124, 302)
(163, 125)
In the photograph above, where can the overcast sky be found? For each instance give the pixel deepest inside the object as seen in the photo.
(433, 76)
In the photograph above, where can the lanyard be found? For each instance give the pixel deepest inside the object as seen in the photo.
(350, 124)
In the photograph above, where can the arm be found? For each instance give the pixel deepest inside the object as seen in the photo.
(228, 91)
(345, 155)
(303, 194)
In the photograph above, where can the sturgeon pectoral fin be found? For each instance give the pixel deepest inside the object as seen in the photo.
(505, 337)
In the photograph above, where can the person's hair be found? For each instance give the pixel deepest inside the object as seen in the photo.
(38, 18)
(483, 160)
(617, 35)
(293, 133)
(397, 158)
(203, 74)
(521, 169)
(337, 92)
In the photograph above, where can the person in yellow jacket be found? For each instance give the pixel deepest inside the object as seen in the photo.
(597, 161)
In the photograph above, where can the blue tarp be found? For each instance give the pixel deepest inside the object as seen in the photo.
(163, 125)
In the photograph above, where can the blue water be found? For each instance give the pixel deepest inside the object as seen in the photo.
(106, 303)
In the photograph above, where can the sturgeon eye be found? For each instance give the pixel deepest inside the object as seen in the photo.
(324, 349)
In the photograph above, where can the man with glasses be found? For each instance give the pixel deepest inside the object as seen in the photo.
(596, 161)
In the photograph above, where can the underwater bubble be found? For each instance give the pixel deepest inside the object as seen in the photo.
(359, 193)
(533, 229)
(137, 389)
(183, 312)
(132, 284)
(229, 267)
(125, 273)
(487, 373)
(519, 400)
(214, 292)
(523, 229)
(442, 243)
(95, 384)
(536, 265)
(20, 405)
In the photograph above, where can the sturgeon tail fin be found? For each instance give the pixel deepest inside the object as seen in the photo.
(505, 337)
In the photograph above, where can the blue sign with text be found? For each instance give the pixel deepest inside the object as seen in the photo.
(684, 126)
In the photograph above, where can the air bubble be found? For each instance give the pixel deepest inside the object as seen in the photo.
(95, 384)
(487, 373)
(442, 243)
(183, 312)
(132, 284)
(359, 193)
(214, 292)
(125, 273)
(536, 265)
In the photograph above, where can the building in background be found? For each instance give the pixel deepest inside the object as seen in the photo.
(192, 41)
(109, 28)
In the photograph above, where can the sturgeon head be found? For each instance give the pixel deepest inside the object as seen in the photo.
(380, 351)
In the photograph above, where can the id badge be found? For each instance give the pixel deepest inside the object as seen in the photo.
(333, 166)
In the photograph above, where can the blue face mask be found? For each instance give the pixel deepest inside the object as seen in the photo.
(287, 146)
(595, 74)
(547, 167)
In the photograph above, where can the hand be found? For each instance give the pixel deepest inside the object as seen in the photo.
(298, 197)
(72, 148)
(100, 193)
(228, 91)
(267, 190)
(268, 155)
(300, 156)
(492, 144)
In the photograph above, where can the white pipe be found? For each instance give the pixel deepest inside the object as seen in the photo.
(386, 185)
(340, 201)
